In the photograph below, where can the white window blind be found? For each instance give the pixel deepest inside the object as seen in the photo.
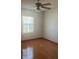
(28, 24)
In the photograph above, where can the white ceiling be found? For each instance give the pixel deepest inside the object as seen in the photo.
(30, 4)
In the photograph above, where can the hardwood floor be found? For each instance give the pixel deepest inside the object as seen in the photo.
(39, 49)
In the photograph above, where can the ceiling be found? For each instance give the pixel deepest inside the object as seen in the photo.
(30, 4)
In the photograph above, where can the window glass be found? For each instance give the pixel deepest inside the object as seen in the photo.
(28, 24)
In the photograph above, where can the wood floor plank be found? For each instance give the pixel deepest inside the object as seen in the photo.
(39, 49)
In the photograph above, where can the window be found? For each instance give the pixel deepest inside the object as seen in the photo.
(28, 24)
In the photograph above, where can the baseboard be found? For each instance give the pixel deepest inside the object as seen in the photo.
(40, 38)
(51, 41)
(32, 39)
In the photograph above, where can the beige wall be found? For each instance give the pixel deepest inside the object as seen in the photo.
(38, 17)
(51, 25)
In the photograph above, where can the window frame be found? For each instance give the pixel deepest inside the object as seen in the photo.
(24, 24)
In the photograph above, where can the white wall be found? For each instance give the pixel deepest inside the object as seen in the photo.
(38, 25)
(51, 25)
(46, 24)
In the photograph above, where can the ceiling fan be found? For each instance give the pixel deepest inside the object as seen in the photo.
(39, 5)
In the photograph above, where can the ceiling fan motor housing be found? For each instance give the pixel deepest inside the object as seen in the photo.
(38, 5)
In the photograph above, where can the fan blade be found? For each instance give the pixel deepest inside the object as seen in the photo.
(47, 4)
(45, 7)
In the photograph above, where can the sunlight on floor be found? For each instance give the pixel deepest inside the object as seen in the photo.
(28, 53)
